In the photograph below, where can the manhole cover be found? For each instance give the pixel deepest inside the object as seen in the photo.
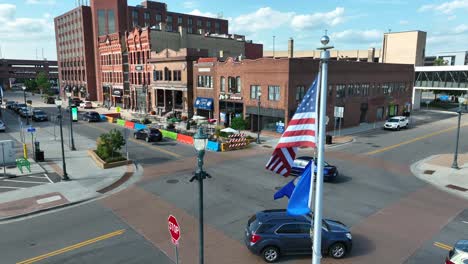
(172, 181)
(455, 187)
(429, 172)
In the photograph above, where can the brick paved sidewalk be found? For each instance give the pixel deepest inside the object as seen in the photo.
(437, 170)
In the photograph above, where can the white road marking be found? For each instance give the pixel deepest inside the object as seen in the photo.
(8, 187)
(49, 199)
(466, 222)
(48, 178)
(24, 181)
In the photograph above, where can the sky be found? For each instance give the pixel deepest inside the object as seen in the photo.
(27, 25)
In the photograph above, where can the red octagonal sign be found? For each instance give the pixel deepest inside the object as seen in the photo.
(174, 229)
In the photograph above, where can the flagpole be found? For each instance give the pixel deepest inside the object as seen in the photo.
(317, 225)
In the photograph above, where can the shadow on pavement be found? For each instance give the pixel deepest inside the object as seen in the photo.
(341, 179)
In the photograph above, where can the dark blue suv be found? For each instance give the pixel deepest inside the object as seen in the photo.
(272, 233)
(330, 172)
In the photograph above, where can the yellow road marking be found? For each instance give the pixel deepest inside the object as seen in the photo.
(139, 142)
(72, 247)
(443, 246)
(413, 140)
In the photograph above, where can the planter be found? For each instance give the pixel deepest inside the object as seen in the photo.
(106, 165)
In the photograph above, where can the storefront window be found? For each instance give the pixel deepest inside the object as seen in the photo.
(273, 93)
(223, 84)
(238, 84)
(300, 92)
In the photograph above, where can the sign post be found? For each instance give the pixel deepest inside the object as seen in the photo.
(339, 113)
(174, 230)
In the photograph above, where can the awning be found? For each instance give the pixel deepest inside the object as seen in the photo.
(204, 103)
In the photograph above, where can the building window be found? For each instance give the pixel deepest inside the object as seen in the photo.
(232, 85)
(300, 92)
(205, 81)
(208, 24)
(238, 84)
(101, 22)
(147, 18)
(158, 18)
(189, 30)
(177, 75)
(273, 93)
(135, 18)
(254, 90)
(157, 75)
(199, 23)
(111, 21)
(167, 74)
(190, 21)
(223, 84)
(179, 20)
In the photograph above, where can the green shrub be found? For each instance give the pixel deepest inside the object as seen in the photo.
(109, 144)
(238, 123)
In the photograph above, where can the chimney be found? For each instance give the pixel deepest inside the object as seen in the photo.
(162, 26)
(291, 48)
(371, 55)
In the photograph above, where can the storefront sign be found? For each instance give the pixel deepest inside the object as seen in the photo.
(204, 69)
(339, 111)
(204, 103)
(233, 97)
(117, 93)
(280, 127)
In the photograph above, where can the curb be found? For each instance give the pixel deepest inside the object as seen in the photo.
(113, 186)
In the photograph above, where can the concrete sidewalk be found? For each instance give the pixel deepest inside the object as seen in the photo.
(88, 180)
(437, 171)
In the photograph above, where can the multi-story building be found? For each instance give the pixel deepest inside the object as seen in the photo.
(16, 71)
(368, 92)
(75, 52)
(160, 72)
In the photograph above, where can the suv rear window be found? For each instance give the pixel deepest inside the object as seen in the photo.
(264, 228)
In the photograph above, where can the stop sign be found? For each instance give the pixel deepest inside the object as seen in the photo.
(174, 229)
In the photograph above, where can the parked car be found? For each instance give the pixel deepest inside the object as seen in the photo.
(86, 105)
(396, 122)
(8, 104)
(459, 253)
(274, 233)
(2, 126)
(92, 116)
(76, 101)
(148, 134)
(39, 115)
(330, 172)
(24, 112)
(18, 107)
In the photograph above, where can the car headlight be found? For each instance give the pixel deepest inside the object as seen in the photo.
(349, 236)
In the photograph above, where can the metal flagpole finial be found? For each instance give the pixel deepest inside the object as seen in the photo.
(325, 39)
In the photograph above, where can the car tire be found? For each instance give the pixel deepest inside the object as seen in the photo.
(398, 128)
(337, 250)
(270, 254)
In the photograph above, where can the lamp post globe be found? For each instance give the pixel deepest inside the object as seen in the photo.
(199, 140)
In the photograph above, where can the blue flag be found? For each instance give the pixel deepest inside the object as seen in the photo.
(287, 190)
(299, 202)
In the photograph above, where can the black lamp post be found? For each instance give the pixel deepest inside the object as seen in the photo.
(259, 94)
(455, 156)
(200, 141)
(72, 139)
(27, 113)
(59, 106)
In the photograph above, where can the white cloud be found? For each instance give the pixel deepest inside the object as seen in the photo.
(316, 20)
(404, 22)
(358, 36)
(20, 29)
(460, 29)
(197, 12)
(264, 18)
(446, 7)
(40, 2)
(451, 17)
(189, 4)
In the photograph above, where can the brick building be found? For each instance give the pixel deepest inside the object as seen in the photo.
(75, 52)
(368, 91)
(12, 71)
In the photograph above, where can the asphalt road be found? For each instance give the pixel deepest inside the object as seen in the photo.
(396, 218)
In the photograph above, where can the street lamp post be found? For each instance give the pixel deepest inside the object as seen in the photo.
(200, 141)
(259, 94)
(59, 106)
(72, 139)
(455, 156)
(27, 114)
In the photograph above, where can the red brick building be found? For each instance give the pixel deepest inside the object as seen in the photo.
(368, 91)
(75, 52)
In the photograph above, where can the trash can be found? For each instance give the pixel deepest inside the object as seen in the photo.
(39, 157)
(328, 139)
(37, 146)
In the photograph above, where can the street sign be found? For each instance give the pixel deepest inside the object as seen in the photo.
(174, 229)
(339, 111)
(280, 127)
(31, 130)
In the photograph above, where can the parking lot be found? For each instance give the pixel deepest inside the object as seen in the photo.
(12, 183)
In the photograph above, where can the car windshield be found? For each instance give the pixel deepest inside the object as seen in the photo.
(94, 113)
(39, 112)
(394, 120)
(21, 105)
(154, 131)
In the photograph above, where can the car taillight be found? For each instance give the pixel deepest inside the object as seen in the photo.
(254, 238)
(447, 261)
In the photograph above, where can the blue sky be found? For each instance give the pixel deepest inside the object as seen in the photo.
(27, 25)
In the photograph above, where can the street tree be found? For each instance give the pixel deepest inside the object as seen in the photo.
(43, 83)
(440, 62)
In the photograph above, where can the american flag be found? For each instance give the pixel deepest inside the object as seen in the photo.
(300, 132)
